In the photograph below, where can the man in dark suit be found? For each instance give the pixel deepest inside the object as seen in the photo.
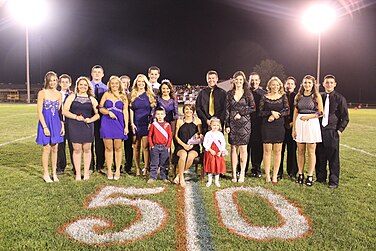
(333, 123)
(255, 146)
(97, 73)
(211, 101)
(291, 163)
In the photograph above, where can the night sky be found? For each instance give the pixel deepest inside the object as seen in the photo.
(188, 38)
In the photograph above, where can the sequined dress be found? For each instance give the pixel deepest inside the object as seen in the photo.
(113, 128)
(51, 116)
(79, 131)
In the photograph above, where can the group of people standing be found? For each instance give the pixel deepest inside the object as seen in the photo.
(144, 118)
(263, 123)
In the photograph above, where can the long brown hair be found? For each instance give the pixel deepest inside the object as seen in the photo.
(247, 91)
(314, 92)
(169, 85)
(47, 79)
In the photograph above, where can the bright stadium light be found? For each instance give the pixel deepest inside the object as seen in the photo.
(317, 19)
(29, 13)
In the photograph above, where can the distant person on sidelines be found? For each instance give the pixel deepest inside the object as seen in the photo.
(306, 127)
(80, 110)
(97, 73)
(333, 123)
(65, 83)
(211, 101)
(274, 106)
(128, 150)
(114, 124)
(153, 73)
(291, 163)
(239, 106)
(50, 127)
(142, 102)
(160, 138)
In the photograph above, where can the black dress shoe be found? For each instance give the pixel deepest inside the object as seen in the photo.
(59, 172)
(279, 177)
(320, 181)
(333, 186)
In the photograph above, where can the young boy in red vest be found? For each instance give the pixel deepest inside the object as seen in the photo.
(160, 138)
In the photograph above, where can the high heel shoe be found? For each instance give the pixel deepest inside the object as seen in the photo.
(309, 181)
(300, 179)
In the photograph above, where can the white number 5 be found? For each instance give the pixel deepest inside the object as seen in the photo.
(151, 217)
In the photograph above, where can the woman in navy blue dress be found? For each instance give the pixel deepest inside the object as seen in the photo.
(114, 124)
(142, 102)
(50, 127)
(80, 109)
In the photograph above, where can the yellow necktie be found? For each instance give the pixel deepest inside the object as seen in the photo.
(211, 103)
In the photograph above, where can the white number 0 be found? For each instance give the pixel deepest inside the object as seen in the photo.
(293, 223)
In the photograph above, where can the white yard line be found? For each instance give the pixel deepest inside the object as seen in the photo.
(359, 150)
(16, 140)
(198, 232)
(356, 125)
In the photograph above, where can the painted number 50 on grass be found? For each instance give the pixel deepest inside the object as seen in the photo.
(152, 216)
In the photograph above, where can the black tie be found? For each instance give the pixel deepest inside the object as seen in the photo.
(97, 91)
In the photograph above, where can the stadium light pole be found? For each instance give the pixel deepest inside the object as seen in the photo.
(29, 13)
(316, 19)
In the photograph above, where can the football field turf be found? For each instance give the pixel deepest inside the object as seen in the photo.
(129, 214)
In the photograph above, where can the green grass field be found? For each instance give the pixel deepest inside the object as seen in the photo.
(33, 212)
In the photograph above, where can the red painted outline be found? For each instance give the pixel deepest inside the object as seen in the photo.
(97, 230)
(180, 225)
(300, 210)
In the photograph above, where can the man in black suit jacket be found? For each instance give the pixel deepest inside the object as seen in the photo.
(291, 163)
(203, 101)
(334, 122)
(255, 146)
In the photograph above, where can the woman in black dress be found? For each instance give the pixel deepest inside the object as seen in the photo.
(239, 106)
(273, 107)
(81, 111)
(186, 128)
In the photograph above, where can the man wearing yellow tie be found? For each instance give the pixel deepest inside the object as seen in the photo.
(211, 101)
(333, 123)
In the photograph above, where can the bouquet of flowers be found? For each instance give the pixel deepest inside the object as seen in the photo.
(195, 140)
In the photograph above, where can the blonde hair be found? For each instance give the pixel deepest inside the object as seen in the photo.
(90, 87)
(149, 93)
(281, 88)
(122, 96)
(216, 120)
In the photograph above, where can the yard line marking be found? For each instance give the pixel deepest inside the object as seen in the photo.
(19, 114)
(16, 140)
(198, 232)
(359, 150)
(361, 125)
